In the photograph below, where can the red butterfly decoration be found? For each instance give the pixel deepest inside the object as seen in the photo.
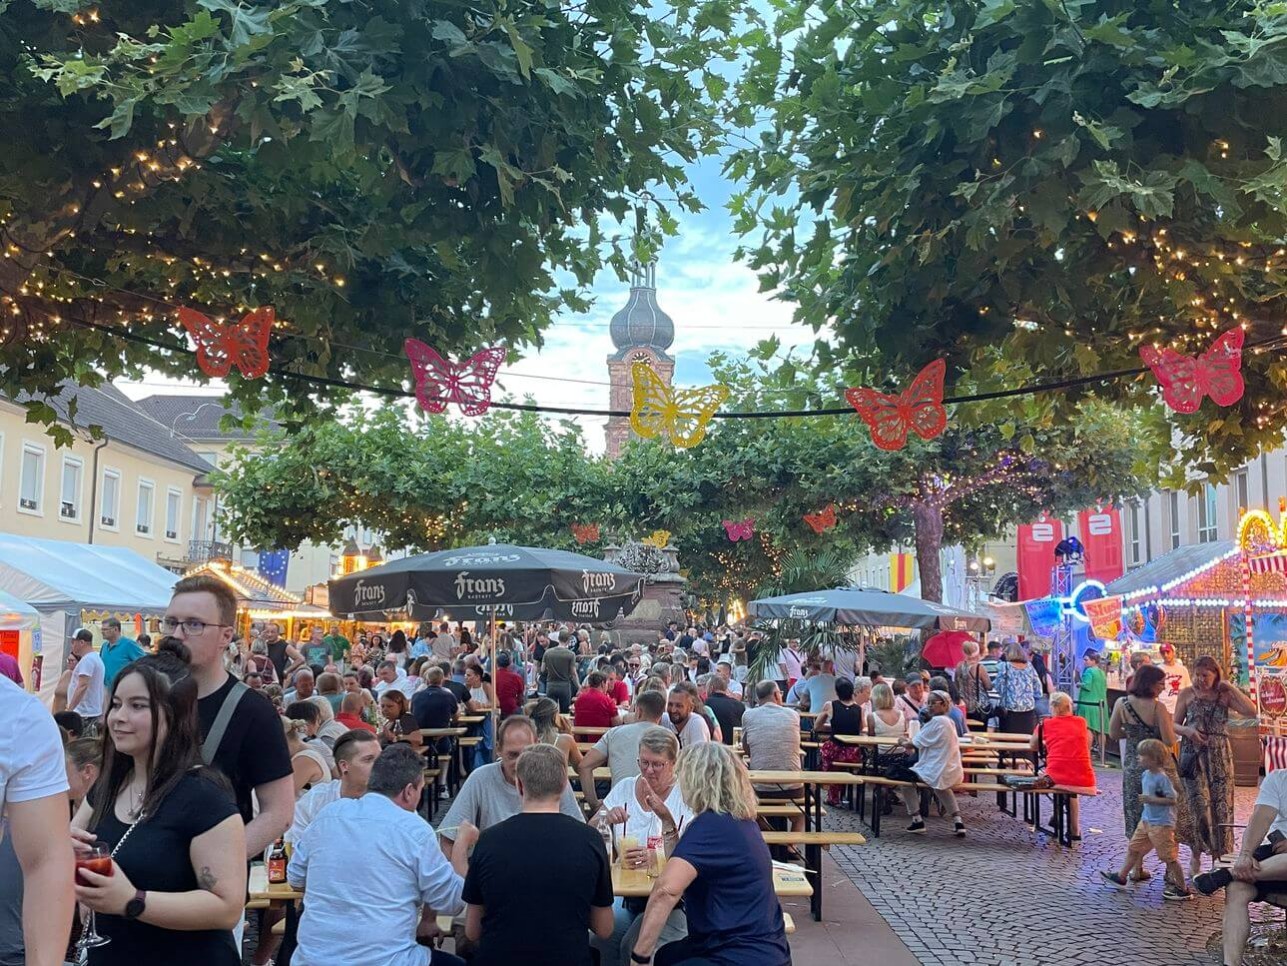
(740, 529)
(1185, 380)
(585, 532)
(440, 381)
(822, 521)
(222, 345)
(919, 408)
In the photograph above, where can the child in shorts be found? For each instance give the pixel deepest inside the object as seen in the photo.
(1156, 829)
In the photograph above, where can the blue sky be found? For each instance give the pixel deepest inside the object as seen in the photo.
(713, 299)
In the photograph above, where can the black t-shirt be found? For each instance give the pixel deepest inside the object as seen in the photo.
(434, 707)
(458, 690)
(728, 712)
(156, 859)
(253, 750)
(543, 916)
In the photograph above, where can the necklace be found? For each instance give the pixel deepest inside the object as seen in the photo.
(136, 802)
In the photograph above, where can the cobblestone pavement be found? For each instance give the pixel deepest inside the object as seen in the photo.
(1007, 896)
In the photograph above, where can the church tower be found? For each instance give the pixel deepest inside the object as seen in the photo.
(640, 331)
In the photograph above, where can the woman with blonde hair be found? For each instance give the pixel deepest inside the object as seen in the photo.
(721, 868)
(307, 764)
(552, 728)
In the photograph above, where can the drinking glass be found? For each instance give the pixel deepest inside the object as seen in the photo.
(96, 858)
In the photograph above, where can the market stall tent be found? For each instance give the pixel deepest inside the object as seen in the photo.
(19, 633)
(71, 584)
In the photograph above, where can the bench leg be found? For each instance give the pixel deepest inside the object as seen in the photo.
(877, 806)
(813, 860)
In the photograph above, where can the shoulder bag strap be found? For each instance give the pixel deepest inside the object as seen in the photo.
(220, 726)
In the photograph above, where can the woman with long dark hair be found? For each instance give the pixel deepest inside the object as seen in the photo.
(177, 842)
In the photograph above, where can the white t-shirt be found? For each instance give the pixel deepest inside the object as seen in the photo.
(1177, 679)
(90, 666)
(1273, 792)
(31, 753)
(695, 729)
(638, 820)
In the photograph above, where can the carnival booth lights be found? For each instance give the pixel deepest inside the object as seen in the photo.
(1262, 546)
(1190, 598)
(259, 599)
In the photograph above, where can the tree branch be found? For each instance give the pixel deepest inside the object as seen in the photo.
(81, 208)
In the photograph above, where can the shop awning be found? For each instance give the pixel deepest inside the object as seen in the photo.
(1159, 577)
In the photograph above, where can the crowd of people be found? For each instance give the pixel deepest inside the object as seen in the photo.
(180, 762)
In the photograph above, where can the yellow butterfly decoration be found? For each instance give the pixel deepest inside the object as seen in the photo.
(680, 414)
(658, 538)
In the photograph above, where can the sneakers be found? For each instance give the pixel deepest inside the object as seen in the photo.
(958, 829)
(1113, 879)
(1175, 893)
(918, 825)
(1208, 883)
(1142, 875)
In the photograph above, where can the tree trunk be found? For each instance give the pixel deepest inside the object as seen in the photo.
(927, 519)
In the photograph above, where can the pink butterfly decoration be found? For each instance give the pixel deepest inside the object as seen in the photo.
(740, 529)
(440, 381)
(1185, 380)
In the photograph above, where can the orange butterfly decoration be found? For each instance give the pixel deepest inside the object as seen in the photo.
(824, 521)
(919, 409)
(222, 345)
(585, 532)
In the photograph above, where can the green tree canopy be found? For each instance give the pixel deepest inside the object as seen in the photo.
(1031, 190)
(445, 483)
(372, 170)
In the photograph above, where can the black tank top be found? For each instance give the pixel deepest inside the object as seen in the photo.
(277, 654)
(846, 720)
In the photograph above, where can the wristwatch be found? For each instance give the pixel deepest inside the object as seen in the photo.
(134, 908)
(636, 958)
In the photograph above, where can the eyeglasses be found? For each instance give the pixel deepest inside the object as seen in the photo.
(650, 765)
(191, 626)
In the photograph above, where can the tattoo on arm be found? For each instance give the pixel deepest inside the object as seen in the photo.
(206, 879)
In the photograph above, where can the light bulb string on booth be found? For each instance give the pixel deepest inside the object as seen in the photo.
(1029, 389)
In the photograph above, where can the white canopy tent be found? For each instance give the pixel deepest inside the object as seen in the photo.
(19, 633)
(71, 583)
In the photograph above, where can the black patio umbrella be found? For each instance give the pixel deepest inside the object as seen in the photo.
(497, 580)
(863, 605)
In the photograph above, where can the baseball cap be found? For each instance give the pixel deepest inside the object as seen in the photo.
(725, 659)
(83, 634)
(1164, 647)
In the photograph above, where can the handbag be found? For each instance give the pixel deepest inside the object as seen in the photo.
(1188, 767)
(984, 707)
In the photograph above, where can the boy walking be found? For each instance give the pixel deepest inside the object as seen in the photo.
(1156, 829)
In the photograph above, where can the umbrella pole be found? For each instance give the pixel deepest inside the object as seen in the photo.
(495, 709)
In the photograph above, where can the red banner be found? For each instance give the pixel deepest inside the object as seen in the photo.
(1036, 556)
(1101, 534)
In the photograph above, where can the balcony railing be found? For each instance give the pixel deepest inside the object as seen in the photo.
(203, 551)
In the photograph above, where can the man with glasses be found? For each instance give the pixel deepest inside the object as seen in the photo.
(241, 732)
(618, 748)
